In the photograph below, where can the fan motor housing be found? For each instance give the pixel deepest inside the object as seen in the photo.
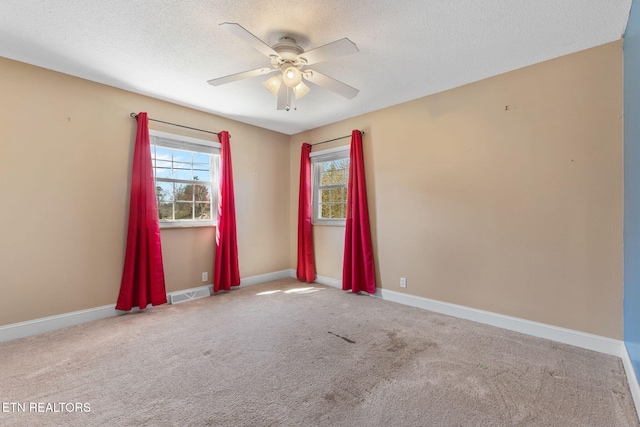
(287, 48)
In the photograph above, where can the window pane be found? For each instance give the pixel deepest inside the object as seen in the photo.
(184, 192)
(184, 201)
(331, 202)
(345, 176)
(332, 177)
(201, 172)
(184, 210)
(325, 178)
(336, 212)
(325, 211)
(336, 195)
(201, 158)
(165, 210)
(182, 156)
(201, 167)
(163, 153)
(203, 211)
(202, 193)
(164, 192)
(162, 169)
(182, 171)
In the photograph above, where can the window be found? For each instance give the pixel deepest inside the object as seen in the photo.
(186, 177)
(330, 170)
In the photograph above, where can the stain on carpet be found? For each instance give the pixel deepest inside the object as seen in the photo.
(330, 397)
(346, 339)
(397, 344)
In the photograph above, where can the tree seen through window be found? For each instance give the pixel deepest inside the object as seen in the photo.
(332, 188)
(184, 182)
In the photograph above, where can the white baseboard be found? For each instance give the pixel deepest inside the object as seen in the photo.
(632, 379)
(328, 281)
(323, 280)
(46, 324)
(263, 278)
(567, 336)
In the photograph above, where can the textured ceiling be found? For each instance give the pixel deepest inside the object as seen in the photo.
(168, 49)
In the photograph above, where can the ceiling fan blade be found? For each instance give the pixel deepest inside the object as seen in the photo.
(239, 76)
(331, 84)
(240, 32)
(328, 51)
(283, 98)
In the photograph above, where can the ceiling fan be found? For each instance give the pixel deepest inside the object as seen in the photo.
(290, 61)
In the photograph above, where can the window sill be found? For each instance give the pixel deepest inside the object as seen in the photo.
(173, 225)
(330, 223)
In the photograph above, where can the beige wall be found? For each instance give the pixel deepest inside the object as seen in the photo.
(503, 195)
(65, 155)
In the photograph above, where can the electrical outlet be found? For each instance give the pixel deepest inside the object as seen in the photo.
(205, 276)
(403, 282)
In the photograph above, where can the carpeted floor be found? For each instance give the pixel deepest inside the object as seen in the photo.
(286, 353)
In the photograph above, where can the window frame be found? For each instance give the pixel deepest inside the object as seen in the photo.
(185, 143)
(317, 158)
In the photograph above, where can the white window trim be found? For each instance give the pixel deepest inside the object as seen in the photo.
(179, 141)
(318, 157)
(179, 138)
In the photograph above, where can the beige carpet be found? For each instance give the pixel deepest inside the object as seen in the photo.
(278, 355)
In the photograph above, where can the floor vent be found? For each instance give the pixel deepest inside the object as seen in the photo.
(188, 295)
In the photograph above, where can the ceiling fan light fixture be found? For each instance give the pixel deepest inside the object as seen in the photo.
(291, 76)
(300, 90)
(273, 85)
(288, 61)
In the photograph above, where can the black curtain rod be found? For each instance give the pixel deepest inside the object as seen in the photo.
(135, 116)
(335, 139)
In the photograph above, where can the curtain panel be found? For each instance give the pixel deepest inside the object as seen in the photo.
(305, 270)
(143, 273)
(226, 272)
(358, 273)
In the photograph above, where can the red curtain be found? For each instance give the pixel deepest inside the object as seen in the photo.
(225, 270)
(306, 269)
(143, 274)
(358, 272)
